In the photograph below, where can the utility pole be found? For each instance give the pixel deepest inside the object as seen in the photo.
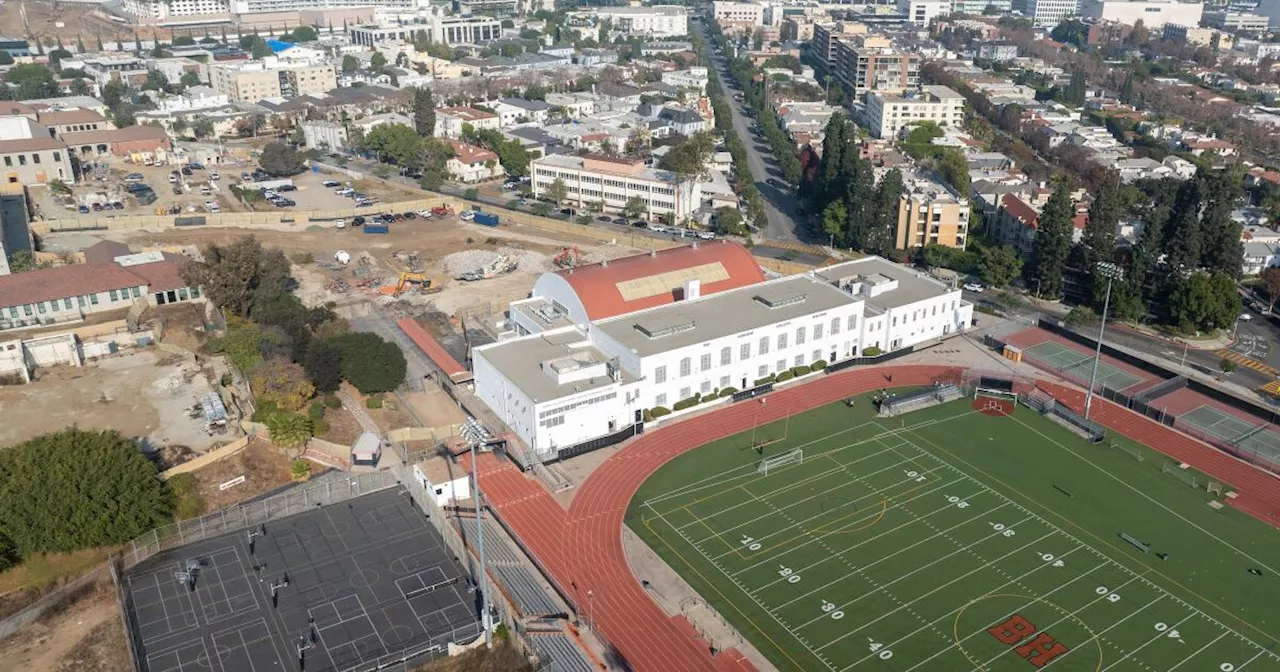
(1111, 271)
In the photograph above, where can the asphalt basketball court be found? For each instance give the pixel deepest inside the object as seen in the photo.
(340, 588)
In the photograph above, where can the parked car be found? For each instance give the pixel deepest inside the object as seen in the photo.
(358, 221)
(409, 215)
(173, 177)
(620, 220)
(658, 228)
(330, 183)
(286, 187)
(466, 215)
(1246, 317)
(640, 224)
(603, 218)
(186, 170)
(974, 287)
(84, 209)
(215, 177)
(177, 190)
(133, 177)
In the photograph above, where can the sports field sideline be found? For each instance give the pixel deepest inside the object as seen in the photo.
(946, 539)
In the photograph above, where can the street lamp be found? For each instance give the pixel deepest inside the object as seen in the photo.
(474, 434)
(1112, 272)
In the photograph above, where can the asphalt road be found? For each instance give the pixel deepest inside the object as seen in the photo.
(780, 207)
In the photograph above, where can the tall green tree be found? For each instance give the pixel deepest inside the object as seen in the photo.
(1184, 244)
(1052, 243)
(884, 213)
(231, 275)
(1223, 250)
(424, 111)
(1104, 215)
(999, 265)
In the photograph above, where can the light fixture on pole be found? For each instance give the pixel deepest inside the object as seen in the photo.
(474, 434)
(1111, 272)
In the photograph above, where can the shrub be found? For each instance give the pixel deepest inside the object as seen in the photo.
(686, 403)
(374, 401)
(819, 365)
(300, 470)
(763, 381)
(289, 430)
(801, 370)
(225, 380)
(871, 351)
(659, 411)
(263, 411)
(282, 383)
(647, 415)
(319, 427)
(186, 493)
(728, 391)
(371, 363)
(301, 258)
(784, 376)
(332, 401)
(316, 410)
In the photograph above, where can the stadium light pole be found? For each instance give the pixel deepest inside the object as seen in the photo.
(474, 433)
(1112, 272)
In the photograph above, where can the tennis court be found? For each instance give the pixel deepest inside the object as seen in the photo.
(1069, 361)
(1254, 438)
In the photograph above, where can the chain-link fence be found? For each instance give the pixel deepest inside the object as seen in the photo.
(327, 490)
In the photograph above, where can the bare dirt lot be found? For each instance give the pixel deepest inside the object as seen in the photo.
(84, 635)
(140, 395)
(264, 467)
(79, 22)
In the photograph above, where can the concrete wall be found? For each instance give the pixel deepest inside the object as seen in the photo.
(208, 458)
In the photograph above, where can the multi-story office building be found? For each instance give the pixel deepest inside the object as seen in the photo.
(264, 6)
(259, 80)
(1047, 13)
(30, 154)
(887, 113)
(560, 386)
(449, 30)
(931, 212)
(648, 21)
(873, 64)
(921, 12)
(1237, 22)
(1154, 14)
(980, 7)
(1213, 38)
(609, 183)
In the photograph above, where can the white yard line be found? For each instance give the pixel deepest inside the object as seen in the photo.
(1199, 651)
(1159, 635)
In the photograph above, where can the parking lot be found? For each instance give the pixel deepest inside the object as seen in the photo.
(107, 182)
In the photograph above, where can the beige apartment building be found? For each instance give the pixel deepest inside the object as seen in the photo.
(888, 113)
(252, 82)
(599, 182)
(931, 212)
(30, 155)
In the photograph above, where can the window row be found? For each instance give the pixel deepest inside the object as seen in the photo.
(582, 402)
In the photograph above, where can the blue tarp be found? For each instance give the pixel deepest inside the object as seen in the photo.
(277, 46)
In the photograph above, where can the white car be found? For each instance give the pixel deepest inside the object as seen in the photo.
(466, 215)
(974, 287)
(340, 224)
(1246, 317)
(424, 213)
(215, 177)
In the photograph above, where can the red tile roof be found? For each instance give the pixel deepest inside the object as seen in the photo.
(63, 117)
(163, 275)
(470, 154)
(1019, 209)
(63, 282)
(127, 134)
(597, 285)
(429, 345)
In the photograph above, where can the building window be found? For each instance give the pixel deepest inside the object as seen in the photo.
(40, 306)
(26, 309)
(724, 381)
(57, 157)
(706, 386)
(726, 356)
(22, 159)
(799, 360)
(35, 158)
(195, 293)
(782, 364)
(113, 295)
(817, 331)
(895, 321)
(8, 161)
(66, 303)
(817, 354)
(93, 298)
(853, 322)
(744, 352)
(782, 341)
(706, 361)
(13, 314)
(835, 326)
(660, 374)
(685, 367)
(764, 345)
(81, 300)
(660, 400)
(686, 392)
(763, 371)
(182, 293)
(137, 291)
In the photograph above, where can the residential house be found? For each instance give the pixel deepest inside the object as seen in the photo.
(449, 120)
(512, 111)
(470, 164)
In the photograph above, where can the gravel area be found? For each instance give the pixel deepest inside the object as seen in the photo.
(471, 260)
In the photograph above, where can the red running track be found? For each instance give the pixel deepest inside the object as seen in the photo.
(581, 550)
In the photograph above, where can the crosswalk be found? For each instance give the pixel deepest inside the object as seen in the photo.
(1247, 362)
(1272, 388)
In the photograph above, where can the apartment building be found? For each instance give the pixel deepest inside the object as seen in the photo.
(871, 63)
(450, 30)
(931, 212)
(825, 38)
(150, 11)
(921, 12)
(1153, 14)
(30, 153)
(649, 21)
(449, 121)
(1047, 13)
(980, 7)
(269, 6)
(888, 113)
(269, 78)
(738, 12)
(1215, 39)
(609, 183)
(1237, 22)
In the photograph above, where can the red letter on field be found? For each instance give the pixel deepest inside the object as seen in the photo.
(1013, 630)
(1041, 650)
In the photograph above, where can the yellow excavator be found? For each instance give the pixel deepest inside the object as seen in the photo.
(426, 285)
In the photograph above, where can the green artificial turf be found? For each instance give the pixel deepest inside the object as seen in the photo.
(915, 538)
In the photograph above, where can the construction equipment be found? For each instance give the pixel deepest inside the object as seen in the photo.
(568, 257)
(425, 285)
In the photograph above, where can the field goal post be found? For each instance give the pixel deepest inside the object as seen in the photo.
(790, 457)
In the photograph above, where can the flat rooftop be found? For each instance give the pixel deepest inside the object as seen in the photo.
(913, 285)
(686, 323)
(577, 163)
(521, 361)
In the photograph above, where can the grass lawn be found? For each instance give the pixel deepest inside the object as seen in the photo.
(948, 540)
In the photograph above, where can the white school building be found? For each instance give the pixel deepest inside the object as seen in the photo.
(577, 380)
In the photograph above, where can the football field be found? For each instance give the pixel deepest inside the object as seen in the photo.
(946, 539)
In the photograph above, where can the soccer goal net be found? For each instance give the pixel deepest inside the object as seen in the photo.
(790, 457)
(992, 393)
